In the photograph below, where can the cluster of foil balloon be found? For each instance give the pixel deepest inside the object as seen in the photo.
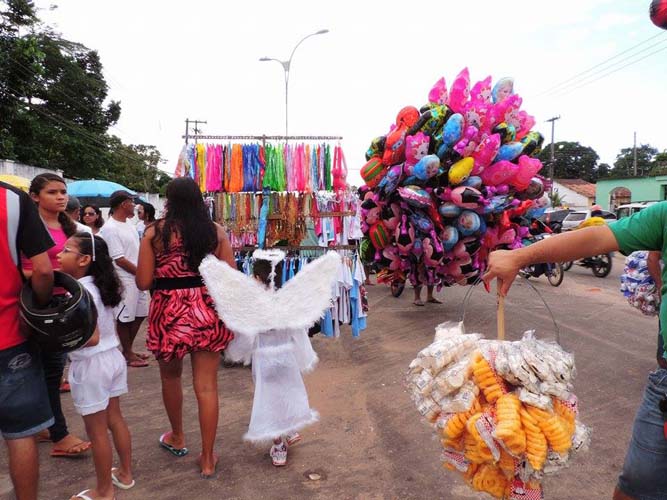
(447, 184)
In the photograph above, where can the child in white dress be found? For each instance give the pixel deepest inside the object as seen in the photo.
(271, 324)
(98, 374)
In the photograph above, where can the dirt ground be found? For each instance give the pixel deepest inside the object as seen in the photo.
(370, 443)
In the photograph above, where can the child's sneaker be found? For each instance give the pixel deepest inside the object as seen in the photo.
(293, 438)
(278, 454)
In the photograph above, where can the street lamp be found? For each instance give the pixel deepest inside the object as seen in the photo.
(286, 68)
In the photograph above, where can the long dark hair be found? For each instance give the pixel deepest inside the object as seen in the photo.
(149, 213)
(99, 222)
(262, 269)
(101, 269)
(38, 183)
(188, 217)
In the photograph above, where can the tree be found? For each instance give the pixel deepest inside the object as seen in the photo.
(659, 164)
(54, 106)
(136, 166)
(571, 161)
(604, 170)
(624, 164)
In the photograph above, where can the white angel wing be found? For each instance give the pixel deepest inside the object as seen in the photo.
(248, 308)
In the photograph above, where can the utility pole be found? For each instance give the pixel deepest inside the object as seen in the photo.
(634, 155)
(552, 160)
(195, 129)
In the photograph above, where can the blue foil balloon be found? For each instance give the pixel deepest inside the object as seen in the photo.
(449, 210)
(509, 151)
(452, 130)
(468, 223)
(473, 181)
(449, 237)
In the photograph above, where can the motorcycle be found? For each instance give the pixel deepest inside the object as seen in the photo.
(552, 270)
(599, 264)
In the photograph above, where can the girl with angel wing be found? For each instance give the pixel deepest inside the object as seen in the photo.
(270, 323)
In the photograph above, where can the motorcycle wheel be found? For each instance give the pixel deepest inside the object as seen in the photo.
(397, 288)
(567, 265)
(555, 274)
(601, 266)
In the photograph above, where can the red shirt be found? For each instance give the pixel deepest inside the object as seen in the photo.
(21, 231)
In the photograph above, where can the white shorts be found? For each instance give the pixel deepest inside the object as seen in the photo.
(96, 379)
(134, 304)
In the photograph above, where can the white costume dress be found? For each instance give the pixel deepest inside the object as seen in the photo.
(271, 330)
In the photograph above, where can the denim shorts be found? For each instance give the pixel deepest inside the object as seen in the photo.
(24, 403)
(644, 475)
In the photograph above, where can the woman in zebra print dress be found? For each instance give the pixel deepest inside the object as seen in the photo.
(182, 318)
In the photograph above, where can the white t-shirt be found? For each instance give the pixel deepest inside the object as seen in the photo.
(82, 228)
(105, 322)
(141, 228)
(123, 241)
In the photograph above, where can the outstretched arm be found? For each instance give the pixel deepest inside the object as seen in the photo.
(505, 264)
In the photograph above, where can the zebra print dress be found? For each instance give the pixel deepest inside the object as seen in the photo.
(183, 320)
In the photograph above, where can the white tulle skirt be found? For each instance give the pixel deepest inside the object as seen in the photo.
(280, 404)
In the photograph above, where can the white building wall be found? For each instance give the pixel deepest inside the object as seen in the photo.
(571, 198)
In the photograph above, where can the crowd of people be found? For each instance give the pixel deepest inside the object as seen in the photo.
(118, 262)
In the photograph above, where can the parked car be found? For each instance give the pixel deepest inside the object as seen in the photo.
(574, 219)
(554, 219)
(632, 208)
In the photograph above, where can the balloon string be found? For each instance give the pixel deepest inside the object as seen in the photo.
(471, 289)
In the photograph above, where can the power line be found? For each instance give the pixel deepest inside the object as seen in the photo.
(661, 34)
(569, 91)
(72, 99)
(76, 128)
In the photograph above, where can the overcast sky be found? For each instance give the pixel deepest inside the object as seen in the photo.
(168, 61)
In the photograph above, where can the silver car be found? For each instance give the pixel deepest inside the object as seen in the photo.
(574, 219)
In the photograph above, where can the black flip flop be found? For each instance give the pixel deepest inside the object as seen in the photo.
(177, 452)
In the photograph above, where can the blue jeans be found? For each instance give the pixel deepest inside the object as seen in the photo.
(24, 404)
(644, 475)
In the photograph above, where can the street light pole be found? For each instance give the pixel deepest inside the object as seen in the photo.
(553, 158)
(286, 68)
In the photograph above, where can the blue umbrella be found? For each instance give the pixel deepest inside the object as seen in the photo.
(95, 191)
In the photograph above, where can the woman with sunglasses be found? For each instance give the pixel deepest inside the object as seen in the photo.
(49, 192)
(91, 216)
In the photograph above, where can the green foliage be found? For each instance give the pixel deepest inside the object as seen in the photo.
(54, 106)
(624, 164)
(556, 199)
(659, 164)
(571, 161)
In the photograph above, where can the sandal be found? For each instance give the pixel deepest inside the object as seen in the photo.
(143, 355)
(433, 300)
(118, 483)
(419, 303)
(177, 452)
(83, 495)
(137, 363)
(69, 453)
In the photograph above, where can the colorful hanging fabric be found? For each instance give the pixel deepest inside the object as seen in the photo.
(327, 167)
(213, 167)
(274, 175)
(236, 180)
(201, 167)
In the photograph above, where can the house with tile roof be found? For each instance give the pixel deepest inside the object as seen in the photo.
(575, 193)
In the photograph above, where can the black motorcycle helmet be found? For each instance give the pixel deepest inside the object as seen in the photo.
(67, 323)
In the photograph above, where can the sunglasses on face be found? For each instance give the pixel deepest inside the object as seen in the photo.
(89, 214)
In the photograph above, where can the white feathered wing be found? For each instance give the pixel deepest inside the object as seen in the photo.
(247, 307)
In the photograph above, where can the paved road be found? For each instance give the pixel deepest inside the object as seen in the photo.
(370, 443)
